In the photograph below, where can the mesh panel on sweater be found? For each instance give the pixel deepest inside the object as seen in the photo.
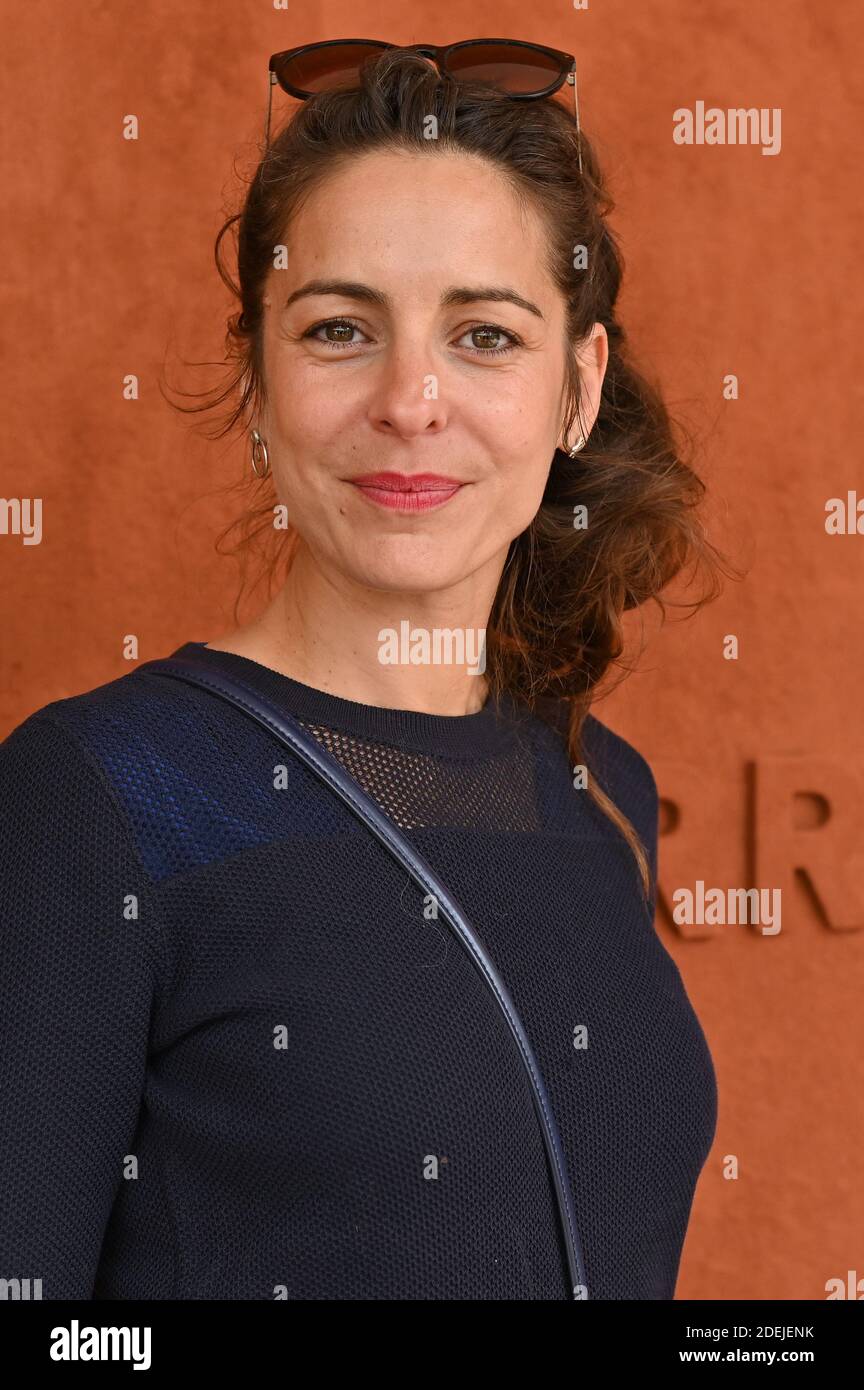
(241, 1062)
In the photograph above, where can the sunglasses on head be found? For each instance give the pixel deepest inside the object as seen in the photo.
(524, 71)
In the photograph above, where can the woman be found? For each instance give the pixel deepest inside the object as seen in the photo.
(243, 1058)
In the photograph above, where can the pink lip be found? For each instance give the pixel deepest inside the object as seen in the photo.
(415, 492)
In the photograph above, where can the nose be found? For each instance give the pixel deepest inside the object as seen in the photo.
(402, 402)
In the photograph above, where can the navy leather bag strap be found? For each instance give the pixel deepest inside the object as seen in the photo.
(307, 748)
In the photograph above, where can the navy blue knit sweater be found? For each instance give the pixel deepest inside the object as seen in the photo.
(240, 1060)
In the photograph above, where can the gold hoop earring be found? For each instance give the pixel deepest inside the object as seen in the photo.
(259, 447)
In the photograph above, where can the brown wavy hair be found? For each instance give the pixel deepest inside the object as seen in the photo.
(556, 623)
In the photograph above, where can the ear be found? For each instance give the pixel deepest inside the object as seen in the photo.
(592, 355)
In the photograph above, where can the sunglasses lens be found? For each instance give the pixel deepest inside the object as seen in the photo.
(319, 69)
(507, 66)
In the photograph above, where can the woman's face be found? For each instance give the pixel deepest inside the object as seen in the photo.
(423, 371)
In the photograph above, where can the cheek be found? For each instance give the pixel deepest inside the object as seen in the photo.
(522, 444)
(525, 488)
(520, 414)
(526, 432)
(304, 407)
(512, 492)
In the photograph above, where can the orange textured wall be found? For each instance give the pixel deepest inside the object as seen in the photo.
(738, 263)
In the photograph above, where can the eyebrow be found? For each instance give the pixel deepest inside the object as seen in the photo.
(456, 294)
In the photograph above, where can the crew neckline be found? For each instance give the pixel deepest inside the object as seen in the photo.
(487, 730)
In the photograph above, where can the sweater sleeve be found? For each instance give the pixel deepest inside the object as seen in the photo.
(79, 962)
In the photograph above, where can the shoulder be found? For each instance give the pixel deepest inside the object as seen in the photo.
(622, 772)
(617, 760)
(87, 738)
(191, 779)
(61, 732)
(109, 726)
(621, 768)
(138, 749)
(626, 777)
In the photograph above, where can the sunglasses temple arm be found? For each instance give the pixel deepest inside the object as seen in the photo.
(269, 104)
(571, 77)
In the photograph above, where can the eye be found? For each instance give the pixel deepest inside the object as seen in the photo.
(345, 326)
(487, 331)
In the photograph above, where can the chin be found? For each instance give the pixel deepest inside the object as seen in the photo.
(421, 573)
